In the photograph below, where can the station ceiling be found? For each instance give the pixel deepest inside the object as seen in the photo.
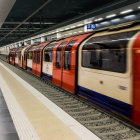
(28, 17)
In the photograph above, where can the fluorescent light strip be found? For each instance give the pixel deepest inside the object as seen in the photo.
(139, 7)
(99, 19)
(126, 11)
(67, 28)
(73, 27)
(105, 22)
(110, 16)
(115, 20)
(80, 25)
(88, 22)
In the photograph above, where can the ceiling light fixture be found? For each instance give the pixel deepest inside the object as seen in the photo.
(126, 11)
(99, 19)
(88, 22)
(116, 20)
(72, 26)
(67, 28)
(80, 25)
(110, 16)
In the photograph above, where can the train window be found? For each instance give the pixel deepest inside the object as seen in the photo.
(48, 52)
(48, 56)
(107, 52)
(38, 57)
(58, 55)
(34, 57)
(67, 55)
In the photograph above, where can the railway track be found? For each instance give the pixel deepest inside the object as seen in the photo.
(101, 123)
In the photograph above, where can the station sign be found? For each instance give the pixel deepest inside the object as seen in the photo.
(91, 26)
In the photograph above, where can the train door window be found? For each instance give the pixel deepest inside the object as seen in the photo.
(108, 53)
(48, 56)
(59, 54)
(48, 52)
(34, 57)
(38, 57)
(67, 55)
(30, 55)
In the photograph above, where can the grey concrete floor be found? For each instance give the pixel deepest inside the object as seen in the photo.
(7, 128)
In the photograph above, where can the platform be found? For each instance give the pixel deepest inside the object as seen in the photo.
(7, 128)
(36, 117)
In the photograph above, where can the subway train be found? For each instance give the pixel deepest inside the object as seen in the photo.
(102, 67)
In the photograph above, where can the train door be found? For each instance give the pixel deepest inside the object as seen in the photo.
(34, 64)
(39, 59)
(57, 62)
(25, 58)
(70, 63)
(64, 66)
(19, 58)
